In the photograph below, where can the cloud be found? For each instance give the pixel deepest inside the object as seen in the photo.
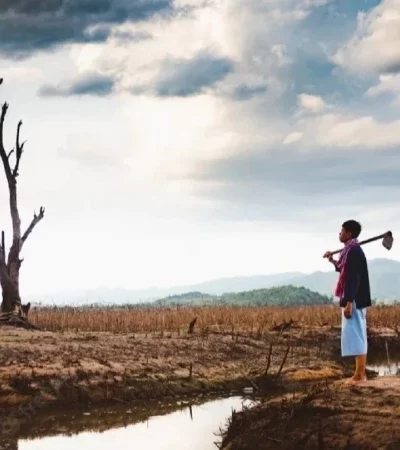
(130, 36)
(285, 184)
(313, 3)
(292, 138)
(86, 84)
(186, 77)
(259, 70)
(248, 43)
(338, 133)
(312, 103)
(246, 92)
(172, 78)
(27, 26)
(347, 131)
(329, 164)
(20, 74)
(375, 46)
(387, 84)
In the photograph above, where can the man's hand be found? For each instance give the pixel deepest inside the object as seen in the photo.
(329, 256)
(348, 310)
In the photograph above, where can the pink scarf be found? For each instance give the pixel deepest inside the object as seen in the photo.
(341, 265)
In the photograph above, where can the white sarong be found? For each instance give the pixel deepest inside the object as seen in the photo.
(354, 332)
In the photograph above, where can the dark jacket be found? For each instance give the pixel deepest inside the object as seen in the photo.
(356, 286)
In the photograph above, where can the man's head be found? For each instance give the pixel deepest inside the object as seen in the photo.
(351, 229)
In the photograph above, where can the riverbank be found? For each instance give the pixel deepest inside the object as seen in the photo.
(329, 417)
(68, 369)
(329, 414)
(42, 372)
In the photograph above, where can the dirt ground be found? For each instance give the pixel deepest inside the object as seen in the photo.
(90, 368)
(44, 370)
(326, 414)
(329, 417)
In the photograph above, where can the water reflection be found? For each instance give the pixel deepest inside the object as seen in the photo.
(386, 369)
(193, 428)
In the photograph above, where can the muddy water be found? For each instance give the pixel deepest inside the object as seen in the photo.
(190, 428)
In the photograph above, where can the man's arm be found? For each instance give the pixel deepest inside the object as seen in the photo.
(335, 265)
(352, 280)
(334, 262)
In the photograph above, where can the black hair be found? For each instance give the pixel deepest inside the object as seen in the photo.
(353, 227)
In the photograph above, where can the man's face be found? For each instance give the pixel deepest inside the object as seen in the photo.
(344, 236)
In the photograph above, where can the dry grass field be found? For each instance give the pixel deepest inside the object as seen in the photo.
(253, 320)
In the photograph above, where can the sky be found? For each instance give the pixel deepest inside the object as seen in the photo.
(177, 141)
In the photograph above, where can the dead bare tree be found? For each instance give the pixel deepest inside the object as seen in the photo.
(10, 264)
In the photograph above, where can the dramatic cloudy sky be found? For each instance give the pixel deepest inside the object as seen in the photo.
(174, 141)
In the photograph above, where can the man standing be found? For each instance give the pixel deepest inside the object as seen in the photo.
(353, 291)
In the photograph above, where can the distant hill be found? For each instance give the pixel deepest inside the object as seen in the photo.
(192, 298)
(275, 296)
(384, 278)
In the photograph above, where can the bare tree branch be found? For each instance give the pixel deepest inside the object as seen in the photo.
(16, 221)
(36, 219)
(3, 153)
(19, 149)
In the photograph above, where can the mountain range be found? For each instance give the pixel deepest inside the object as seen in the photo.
(384, 280)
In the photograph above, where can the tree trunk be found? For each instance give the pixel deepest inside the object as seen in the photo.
(10, 279)
(11, 298)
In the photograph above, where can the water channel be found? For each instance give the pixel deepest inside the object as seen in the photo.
(387, 369)
(187, 428)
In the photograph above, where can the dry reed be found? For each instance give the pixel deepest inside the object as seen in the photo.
(224, 318)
